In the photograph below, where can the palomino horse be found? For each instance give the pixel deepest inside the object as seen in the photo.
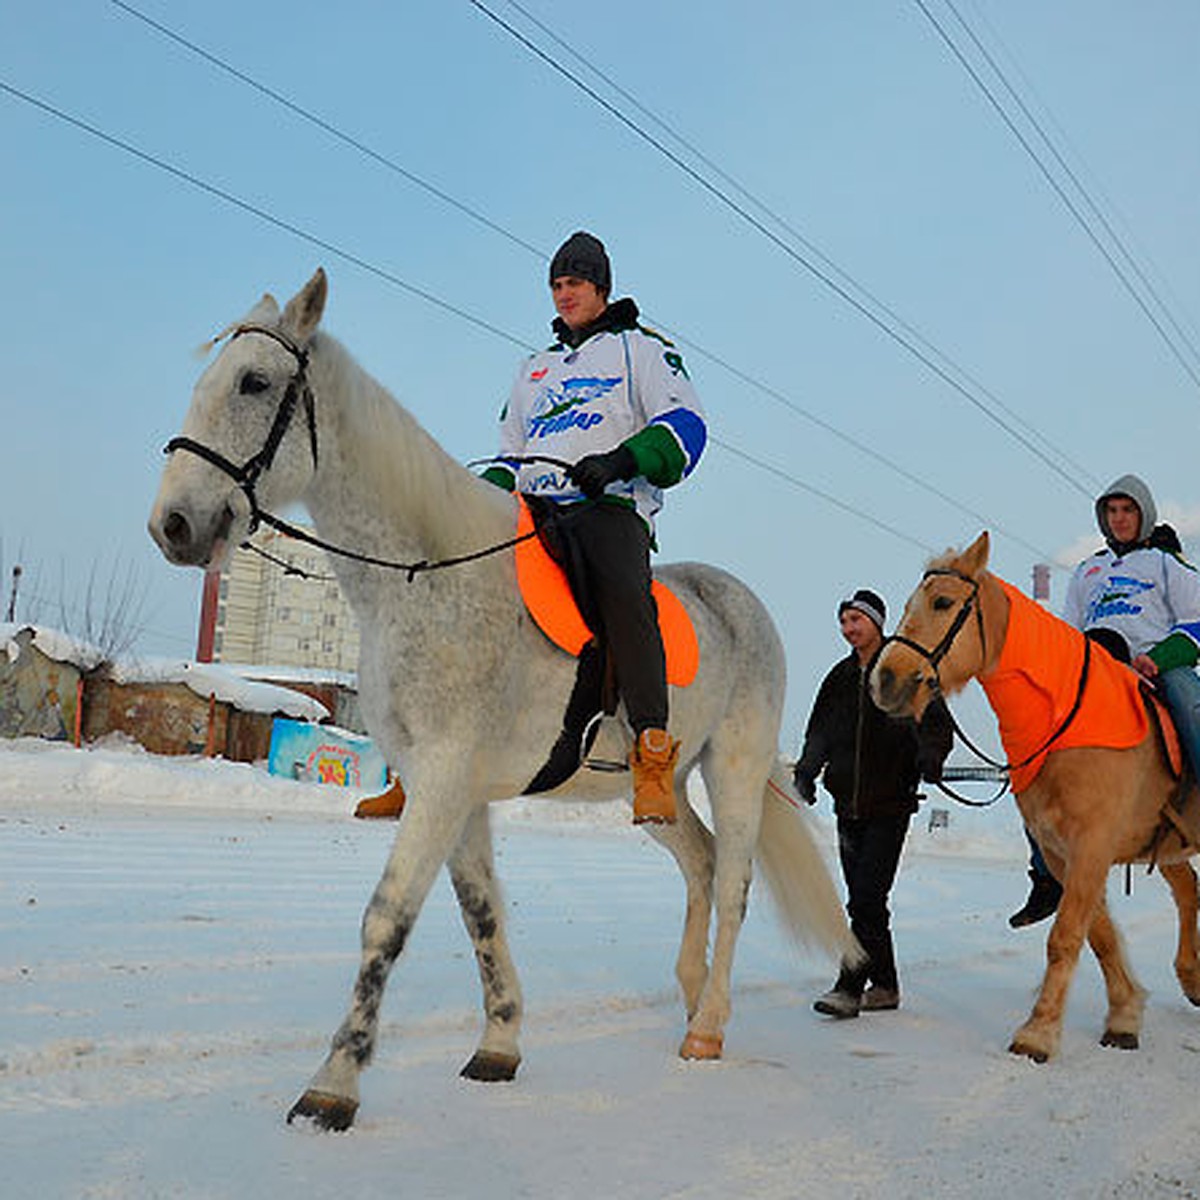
(459, 688)
(1088, 805)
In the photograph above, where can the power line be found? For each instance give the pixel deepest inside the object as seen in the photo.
(826, 496)
(784, 224)
(1186, 329)
(1096, 210)
(260, 213)
(824, 276)
(296, 231)
(1048, 175)
(333, 131)
(472, 212)
(861, 447)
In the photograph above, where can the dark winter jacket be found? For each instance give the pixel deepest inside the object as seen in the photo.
(872, 762)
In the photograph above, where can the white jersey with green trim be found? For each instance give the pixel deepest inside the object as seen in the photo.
(1143, 595)
(569, 402)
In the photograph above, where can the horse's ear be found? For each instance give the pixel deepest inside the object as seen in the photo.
(304, 309)
(975, 557)
(265, 312)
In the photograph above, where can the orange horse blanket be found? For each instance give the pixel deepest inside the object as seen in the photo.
(547, 595)
(1032, 690)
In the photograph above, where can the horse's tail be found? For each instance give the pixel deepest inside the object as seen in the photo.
(797, 875)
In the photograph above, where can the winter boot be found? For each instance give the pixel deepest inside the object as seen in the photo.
(880, 999)
(386, 804)
(653, 760)
(1044, 895)
(838, 1002)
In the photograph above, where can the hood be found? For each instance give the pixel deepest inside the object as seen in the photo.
(619, 315)
(1139, 493)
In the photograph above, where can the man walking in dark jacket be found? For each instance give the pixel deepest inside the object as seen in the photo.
(872, 765)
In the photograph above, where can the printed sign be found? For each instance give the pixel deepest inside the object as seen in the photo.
(325, 754)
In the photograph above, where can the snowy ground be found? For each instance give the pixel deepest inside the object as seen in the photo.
(179, 939)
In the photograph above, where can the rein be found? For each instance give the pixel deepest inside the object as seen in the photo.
(247, 475)
(939, 652)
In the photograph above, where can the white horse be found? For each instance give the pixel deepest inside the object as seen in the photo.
(462, 692)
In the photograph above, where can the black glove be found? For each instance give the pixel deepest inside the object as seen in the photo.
(594, 472)
(806, 785)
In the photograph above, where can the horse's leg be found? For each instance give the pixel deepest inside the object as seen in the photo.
(1083, 890)
(473, 875)
(1182, 879)
(1126, 998)
(426, 834)
(735, 792)
(691, 844)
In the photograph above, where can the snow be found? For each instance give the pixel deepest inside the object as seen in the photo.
(205, 679)
(180, 937)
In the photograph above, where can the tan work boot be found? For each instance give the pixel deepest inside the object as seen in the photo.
(386, 804)
(653, 760)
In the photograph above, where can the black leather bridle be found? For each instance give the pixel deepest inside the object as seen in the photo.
(971, 604)
(297, 392)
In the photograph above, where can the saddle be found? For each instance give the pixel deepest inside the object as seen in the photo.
(545, 583)
(559, 614)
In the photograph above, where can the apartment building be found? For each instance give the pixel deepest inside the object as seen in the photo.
(257, 612)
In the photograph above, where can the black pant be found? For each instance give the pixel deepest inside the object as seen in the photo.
(870, 853)
(608, 562)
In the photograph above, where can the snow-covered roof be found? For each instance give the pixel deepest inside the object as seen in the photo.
(53, 643)
(290, 674)
(204, 679)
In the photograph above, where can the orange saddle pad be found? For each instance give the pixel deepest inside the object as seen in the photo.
(547, 595)
(1166, 728)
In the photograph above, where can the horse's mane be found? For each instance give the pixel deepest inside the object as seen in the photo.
(411, 473)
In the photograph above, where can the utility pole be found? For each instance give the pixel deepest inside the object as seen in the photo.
(12, 596)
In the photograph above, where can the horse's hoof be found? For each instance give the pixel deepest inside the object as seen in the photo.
(706, 1047)
(486, 1066)
(1122, 1041)
(1029, 1052)
(325, 1111)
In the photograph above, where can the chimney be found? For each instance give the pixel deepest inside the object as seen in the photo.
(208, 616)
(1041, 582)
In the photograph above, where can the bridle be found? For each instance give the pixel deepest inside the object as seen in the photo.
(299, 392)
(971, 604)
(935, 656)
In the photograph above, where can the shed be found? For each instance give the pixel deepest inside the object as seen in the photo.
(54, 686)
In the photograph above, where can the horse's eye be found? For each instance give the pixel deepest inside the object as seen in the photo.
(941, 603)
(253, 382)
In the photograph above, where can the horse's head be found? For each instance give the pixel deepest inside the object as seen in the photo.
(939, 643)
(248, 439)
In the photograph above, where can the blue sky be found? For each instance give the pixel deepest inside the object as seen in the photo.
(854, 123)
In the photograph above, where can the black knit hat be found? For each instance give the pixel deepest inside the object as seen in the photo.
(584, 257)
(868, 603)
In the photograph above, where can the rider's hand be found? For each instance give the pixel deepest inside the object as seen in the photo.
(593, 473)
(1145, 666)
